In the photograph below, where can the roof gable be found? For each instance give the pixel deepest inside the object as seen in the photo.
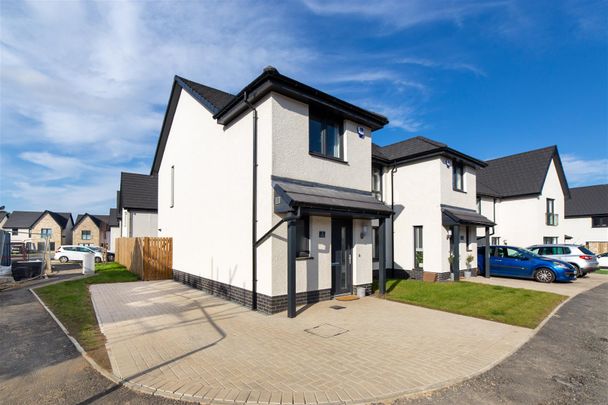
(520, 174)
(138, 191)
(587, 201)
(98, 220)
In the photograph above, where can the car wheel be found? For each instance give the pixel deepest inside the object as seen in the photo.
(98, 260)
(63, 259)
(583, 274)
(578, 270)
(544, 276)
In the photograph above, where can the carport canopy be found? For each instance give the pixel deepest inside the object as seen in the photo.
(460, 216)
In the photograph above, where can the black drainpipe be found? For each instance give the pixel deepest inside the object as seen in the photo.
(393, 170)
(254, 209)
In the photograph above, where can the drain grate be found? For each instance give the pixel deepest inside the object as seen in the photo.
(337, 307)
(326, 330)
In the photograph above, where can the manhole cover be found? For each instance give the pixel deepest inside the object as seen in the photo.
(326, 330)
(337, 307)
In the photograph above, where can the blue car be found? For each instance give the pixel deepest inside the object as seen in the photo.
(511, 261)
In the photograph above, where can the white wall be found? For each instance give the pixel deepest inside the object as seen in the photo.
(581, 231)
(114, 233)
(520, 221)
(142, 223)
(210, 222)
(21, 236)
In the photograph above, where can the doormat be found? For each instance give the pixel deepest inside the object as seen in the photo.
(326, 330)
(347, 298)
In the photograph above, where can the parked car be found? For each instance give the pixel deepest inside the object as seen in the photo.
(580, 257)
(72, 253)
(512, 261)
(602, 259)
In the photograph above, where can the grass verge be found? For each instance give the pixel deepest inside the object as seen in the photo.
(602, 271)
(514, 306)
(71, 303)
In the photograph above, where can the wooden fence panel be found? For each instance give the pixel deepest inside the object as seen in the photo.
(598, 247)
(149, 258)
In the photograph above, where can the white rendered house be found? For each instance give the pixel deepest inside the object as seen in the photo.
(525, 194)
(586, 219)
(137, 205)
(267, 193)
(432, 190)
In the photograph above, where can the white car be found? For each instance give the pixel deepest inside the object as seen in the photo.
(603, 260)
(73, 253)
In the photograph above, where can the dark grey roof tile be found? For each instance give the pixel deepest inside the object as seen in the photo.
(138, 191)
(587, 201)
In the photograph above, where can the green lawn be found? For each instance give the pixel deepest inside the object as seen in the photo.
(70, 301)
(601, 271)
(514, 306)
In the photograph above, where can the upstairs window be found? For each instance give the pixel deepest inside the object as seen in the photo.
(46, 232)
(85, 235)
(599, 221)
(458, 176)
(325, 136)
(15, 232)
(551, 216)
(377, 183)
(478, 205)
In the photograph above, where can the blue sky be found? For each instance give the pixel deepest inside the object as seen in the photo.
(84, 85)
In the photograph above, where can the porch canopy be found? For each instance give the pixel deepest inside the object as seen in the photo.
(321, 199)
(295, 198)
(454, 217)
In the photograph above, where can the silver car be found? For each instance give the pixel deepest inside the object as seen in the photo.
(580, 257)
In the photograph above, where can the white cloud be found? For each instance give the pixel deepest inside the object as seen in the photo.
(580, 171)
(459, 66)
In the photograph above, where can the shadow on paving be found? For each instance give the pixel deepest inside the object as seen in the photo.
(566, 362)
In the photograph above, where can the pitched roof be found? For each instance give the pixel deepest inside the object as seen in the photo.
(416, 148)
(97, 219)
(138, 191)
(519, 174)
(587, 201)
(22, 219)
(3, 214)
(113, 217)
(27, 219)
(213, 99)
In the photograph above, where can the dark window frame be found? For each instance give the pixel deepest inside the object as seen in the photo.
(550, 215)
(324, 120)
(82, 234)
(599, 221)
(15, 232)
(468, 238)
(458, 171)
(378, 193)
(303, 237)
(418, 240)
(375, 244)
(43, 233)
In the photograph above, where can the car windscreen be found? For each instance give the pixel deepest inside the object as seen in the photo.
(586, 251)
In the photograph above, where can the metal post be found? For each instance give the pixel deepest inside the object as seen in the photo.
(456, 252)
(382, 258)
(486, 256)
(291, 268)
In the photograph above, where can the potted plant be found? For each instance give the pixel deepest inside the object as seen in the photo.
(469, 260)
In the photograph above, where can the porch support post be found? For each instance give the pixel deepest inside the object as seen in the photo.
(291, 268)
(382, 258)
(456, 252)
(486, 256)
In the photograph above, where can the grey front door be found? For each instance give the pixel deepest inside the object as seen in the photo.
(342, 255)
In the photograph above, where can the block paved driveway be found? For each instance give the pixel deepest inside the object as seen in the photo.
(170, 339)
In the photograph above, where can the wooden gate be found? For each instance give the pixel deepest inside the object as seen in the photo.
(149, 258)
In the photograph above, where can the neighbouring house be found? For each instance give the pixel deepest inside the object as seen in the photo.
(432, 190)
(114, 225)
(267, 193)
(37, 226)
(91, 230)
(586, 218)
(3, 217)
(138, 204)
(525, 195)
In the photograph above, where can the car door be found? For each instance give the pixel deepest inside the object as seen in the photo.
(497, 263)
(513, 263)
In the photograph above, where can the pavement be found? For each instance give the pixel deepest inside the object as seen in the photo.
(170, 339)
(568, 289)
(566, 362)
(39, 364)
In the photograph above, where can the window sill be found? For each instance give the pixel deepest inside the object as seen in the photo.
(460, 191)
(333, 159)
(304, 258)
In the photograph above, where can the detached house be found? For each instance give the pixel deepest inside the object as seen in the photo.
(525, 195)
(91, 230)
(432, 191)
(114, 225)
(267, 193)
(587, 217)
(138, 205)
(37, 226)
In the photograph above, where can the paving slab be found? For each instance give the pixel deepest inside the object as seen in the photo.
(569, 289)
(385, 348)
